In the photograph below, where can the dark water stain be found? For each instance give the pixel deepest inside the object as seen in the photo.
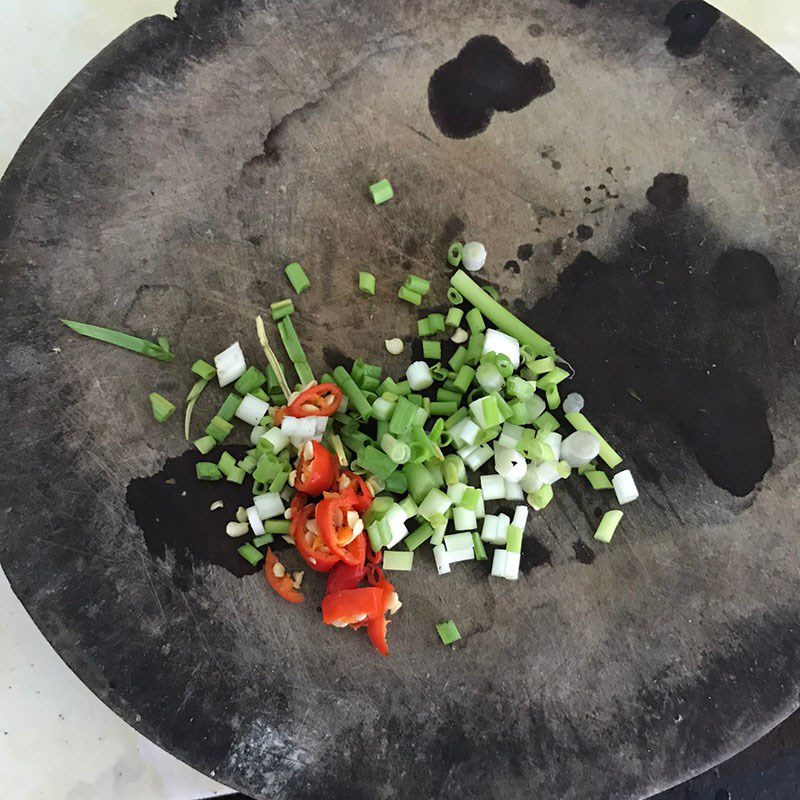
(525, 251)
(584, 232)
(484, 77)
(534, 554)
(695, 326)
(746, 279)
(535, 29)
(670, 190)
(335, 357)
(452, 229)
(183, 524)
(583, 552)
(513, 266)
(558, 247)
(689, 22)
(580, 3)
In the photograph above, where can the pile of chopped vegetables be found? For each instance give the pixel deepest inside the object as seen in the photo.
(357, 470)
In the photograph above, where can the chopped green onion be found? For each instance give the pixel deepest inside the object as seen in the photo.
(304, 373)
(419, 481)
(454, 419)
(415, 298)
(454, 317)
(354, 394)
(542, 365)
(453, 470)
(447, 395)
(608, 524)
(454, 296)
(251, 379)
(432, 350)
(226, 463)
(207, 471)
(448, 632)
(248, 464)
(229, 407)
(489, 378)
(416, 284)
(382, 409)
(552, 378)
(158, 351)
(381, 191)
(236, 475)
(281, 309)
(436, 322)
(279, 481)
(546, 422)
(475, 321)
(553, 397)
(399, 560)
(458, 541)
(375, 462)
(458, 359)
(398, 451)
(204, 370)
(291, 341)
(274, 364)
(475, 347)
(464, 378)
(477, 546)
(470, 499)
(541, 497)
(402, 417)
(492, 292)
(520, 388)
(250, 554)
(514, 539)
(266, 538)
(454, 253)
(396, 483)
(504, 319)
(191, 400)
(424, 327)
(443, 408)
(607, 453)
(598, 479)
(277, 526)
(219, 428)
(435, 502)
(205, 444)
(162, 408)
(366, 282)
(297, 277)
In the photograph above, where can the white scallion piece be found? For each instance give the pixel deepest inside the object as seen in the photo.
(513, 491)
(493, 487)
(512, 566)
(520, 517)
(457, 541)
(269, 505)
(255, 521)
(464, 433)
(456, 492)
(489, 530)
(235, 529)
(459, 336)
(535, 406)
(625, 487)
(509, 435)
(299, 429)
(440, 557)
(252, 409)
(473, 256)
(579, 448)
(573, 403)
(230, 364)
(462, 554)
(531, 482)
(548, 472)
(503, 521)
(501, 343)
(478, 457)
(464, 519)
(510, 464)
(499, 563)
(419, 376)
(480, 509)
(394, 346)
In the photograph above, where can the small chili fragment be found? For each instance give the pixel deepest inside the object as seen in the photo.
(280, 580)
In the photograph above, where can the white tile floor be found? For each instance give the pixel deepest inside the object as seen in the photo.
(47, 717)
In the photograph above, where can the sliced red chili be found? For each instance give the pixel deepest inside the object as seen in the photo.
(376, 628)
(321, 400)
(344, 576)
(357, 486)
(352, 606)
(333, 527)
(281, 583)
(308, 542)
(314, 474)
